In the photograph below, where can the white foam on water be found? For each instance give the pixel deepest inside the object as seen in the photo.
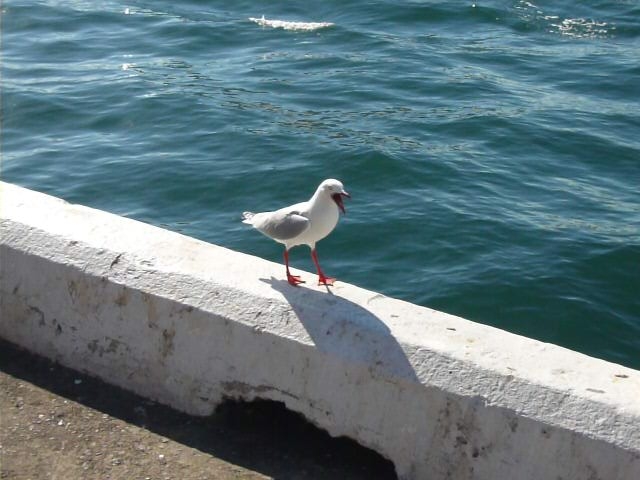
(571, 27)
(583, 27)
(300, 26)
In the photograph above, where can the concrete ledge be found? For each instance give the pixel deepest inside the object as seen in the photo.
(188, 323)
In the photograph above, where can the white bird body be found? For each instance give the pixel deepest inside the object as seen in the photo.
(304, 223)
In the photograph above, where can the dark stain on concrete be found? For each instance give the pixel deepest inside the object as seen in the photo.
(595, 390)
(152, 315)
(113, 345)
(122, 298)
(166, 348)
(72, 288)
(513, 423)
(115, 260)
(92, 346)
(39, 313)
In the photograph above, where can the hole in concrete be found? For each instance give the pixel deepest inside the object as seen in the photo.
(262, 437)
(281, 435)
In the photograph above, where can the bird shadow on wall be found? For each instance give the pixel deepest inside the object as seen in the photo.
(346, 329)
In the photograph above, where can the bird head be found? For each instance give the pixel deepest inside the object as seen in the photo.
(336, 191)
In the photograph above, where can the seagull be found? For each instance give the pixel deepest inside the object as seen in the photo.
(304, 223)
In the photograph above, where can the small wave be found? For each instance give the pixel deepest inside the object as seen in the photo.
(578, 27)
(300, 26)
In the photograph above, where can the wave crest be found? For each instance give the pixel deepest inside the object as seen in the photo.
(300, 26)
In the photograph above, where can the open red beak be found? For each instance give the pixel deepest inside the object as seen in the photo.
(337, 197)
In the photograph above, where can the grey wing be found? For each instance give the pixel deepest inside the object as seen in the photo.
(282, 225)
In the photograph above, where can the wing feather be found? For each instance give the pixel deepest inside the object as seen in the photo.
(281, 224)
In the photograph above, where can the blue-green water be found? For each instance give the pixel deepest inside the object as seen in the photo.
(492, 148)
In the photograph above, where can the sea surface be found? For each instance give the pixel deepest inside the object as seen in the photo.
(492, 148)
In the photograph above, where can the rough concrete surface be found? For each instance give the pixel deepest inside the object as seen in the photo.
(190, 324)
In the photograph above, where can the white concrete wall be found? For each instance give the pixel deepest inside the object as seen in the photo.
(188, 323)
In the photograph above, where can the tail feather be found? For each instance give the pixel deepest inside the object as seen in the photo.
(247, 217)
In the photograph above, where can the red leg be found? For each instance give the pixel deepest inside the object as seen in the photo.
(294, 280)
(322, 278)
